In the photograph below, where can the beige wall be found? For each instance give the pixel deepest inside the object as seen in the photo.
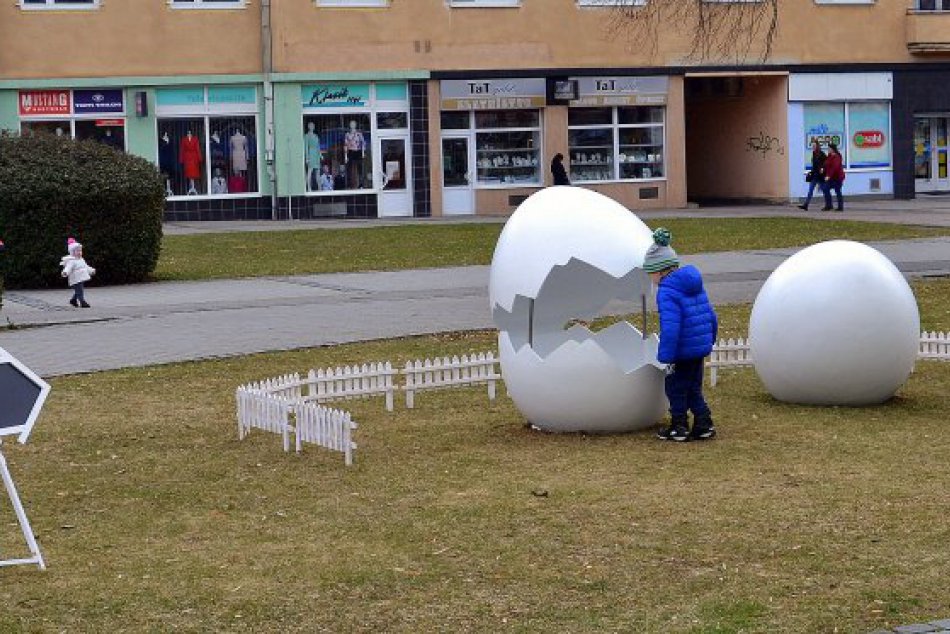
(738, 147)
(128, 38)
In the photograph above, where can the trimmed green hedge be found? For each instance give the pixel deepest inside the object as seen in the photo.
(52, 188)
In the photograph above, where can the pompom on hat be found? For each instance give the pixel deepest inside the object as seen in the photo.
(72, 245)
(660, 256)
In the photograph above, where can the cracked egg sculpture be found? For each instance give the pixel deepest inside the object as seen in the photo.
(835, 324)
(565, 254)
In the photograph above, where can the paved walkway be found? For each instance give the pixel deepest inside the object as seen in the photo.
(175, 321)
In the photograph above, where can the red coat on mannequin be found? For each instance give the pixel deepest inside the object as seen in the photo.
(189, 155)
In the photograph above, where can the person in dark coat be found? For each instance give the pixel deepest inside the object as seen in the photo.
(834, 177)
(816, 175)
(688, 329)
(557, 170)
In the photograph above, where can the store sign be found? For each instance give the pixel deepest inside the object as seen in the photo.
(825, 136)
(868, 139)
(621, 91)
(95, 101)
(109, 123)
(180, 96)
(493, 94)
(44, 102)
(335, 95)
(245, 95)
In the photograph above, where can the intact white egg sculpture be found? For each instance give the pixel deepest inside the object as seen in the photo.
(564, 254)
(835, 324)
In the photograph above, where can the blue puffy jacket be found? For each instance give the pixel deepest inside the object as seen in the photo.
(688, 323)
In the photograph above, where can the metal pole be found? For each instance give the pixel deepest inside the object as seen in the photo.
(643, 312)
(267, 65)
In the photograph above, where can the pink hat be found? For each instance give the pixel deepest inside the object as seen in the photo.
(72, 245)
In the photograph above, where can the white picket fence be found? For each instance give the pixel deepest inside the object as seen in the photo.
(330, 428)
(259, 409)
(348, 382)
(935, 345)
(438, 373)
(734, 353)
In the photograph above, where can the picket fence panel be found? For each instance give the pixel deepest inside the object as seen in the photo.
(728, 353)
(348, 382)
(261, 410)
(325, 427)
(429, 374)
(935, 345)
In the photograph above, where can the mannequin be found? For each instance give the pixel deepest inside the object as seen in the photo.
(218, 184)
(326, 179)
(312, 154)
(59, 132)
(166, 161)
(217, 152)
(189, 155)
(355, 147)
(238, 152)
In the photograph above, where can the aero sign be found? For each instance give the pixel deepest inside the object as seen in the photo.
(40, 102)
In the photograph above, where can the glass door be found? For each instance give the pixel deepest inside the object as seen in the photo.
(458, 196)
(395, 196)
(931, 154)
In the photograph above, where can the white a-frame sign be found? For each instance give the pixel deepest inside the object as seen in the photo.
(22, 394)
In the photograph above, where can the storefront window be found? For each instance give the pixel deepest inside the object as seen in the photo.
(96, 115)
(824, 122)
(337, 152)
(455, 120)
(860, 130)
(623, 143)
(208, 155)
(507, 147)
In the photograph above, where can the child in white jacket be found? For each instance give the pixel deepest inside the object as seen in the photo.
(77, 272)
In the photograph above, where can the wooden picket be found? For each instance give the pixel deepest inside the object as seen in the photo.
(325, 427)
(935, 345)
(456, 371)
(728, 353)
(261, 410)
(347, 382)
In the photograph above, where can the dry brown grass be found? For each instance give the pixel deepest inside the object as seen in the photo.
(455, 517)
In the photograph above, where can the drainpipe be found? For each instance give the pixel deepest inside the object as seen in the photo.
(267, 65)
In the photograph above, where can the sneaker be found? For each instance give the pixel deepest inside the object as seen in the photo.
(74, 302)
(827, 208)
(676, 433)
(703, 428)
(84, 304)
(803, 207)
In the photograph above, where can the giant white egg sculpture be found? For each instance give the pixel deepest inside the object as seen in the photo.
(564, 254)
(835, 324)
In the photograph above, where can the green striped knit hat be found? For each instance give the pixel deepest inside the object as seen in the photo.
(660, 255)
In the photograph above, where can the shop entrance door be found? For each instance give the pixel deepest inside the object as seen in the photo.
(395, 196)
(931, 154)
(458, 197)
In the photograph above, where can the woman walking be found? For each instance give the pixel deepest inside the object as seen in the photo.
(815, 176)
(834, 177)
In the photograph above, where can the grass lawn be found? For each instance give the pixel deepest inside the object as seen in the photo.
(225, 255)
(154, 517)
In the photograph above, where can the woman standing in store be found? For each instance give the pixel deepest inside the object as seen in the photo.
(815, 176)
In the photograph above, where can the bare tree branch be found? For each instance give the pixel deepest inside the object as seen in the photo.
(717, 30)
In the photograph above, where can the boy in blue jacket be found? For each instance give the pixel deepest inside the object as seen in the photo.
(688, 329)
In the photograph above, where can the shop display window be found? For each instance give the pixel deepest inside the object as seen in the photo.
(861, 130)
(110, 132)
(508, 147)
(338, 152)
(211, 155)
(623, 143)
(455, 119)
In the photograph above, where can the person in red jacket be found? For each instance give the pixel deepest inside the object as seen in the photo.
(834, 177)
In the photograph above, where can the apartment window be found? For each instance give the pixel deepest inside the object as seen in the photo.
(59, 4)
(484, 3)
(933, 5)
(845, 1)
(208, 4)
(620, 143)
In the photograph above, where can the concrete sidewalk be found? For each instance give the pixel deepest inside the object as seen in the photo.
(177, 321)
(925, 210)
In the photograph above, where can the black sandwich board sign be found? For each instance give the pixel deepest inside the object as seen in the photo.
(22, 394)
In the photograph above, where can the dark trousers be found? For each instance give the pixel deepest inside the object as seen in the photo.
(79, 292)
(827, 187)
(354, 169)
(684, 389)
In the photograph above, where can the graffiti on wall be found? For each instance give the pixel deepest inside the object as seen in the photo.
(764, 144)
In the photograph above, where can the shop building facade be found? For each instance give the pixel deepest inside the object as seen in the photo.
(386, 108)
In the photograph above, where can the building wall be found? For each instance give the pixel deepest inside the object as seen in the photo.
(737, 147)
(127, 38)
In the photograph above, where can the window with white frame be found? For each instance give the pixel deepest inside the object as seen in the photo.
(59, 4)
(207, 4)
(616, 143)
(484, 3)
(932, 5)
(507, 147)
